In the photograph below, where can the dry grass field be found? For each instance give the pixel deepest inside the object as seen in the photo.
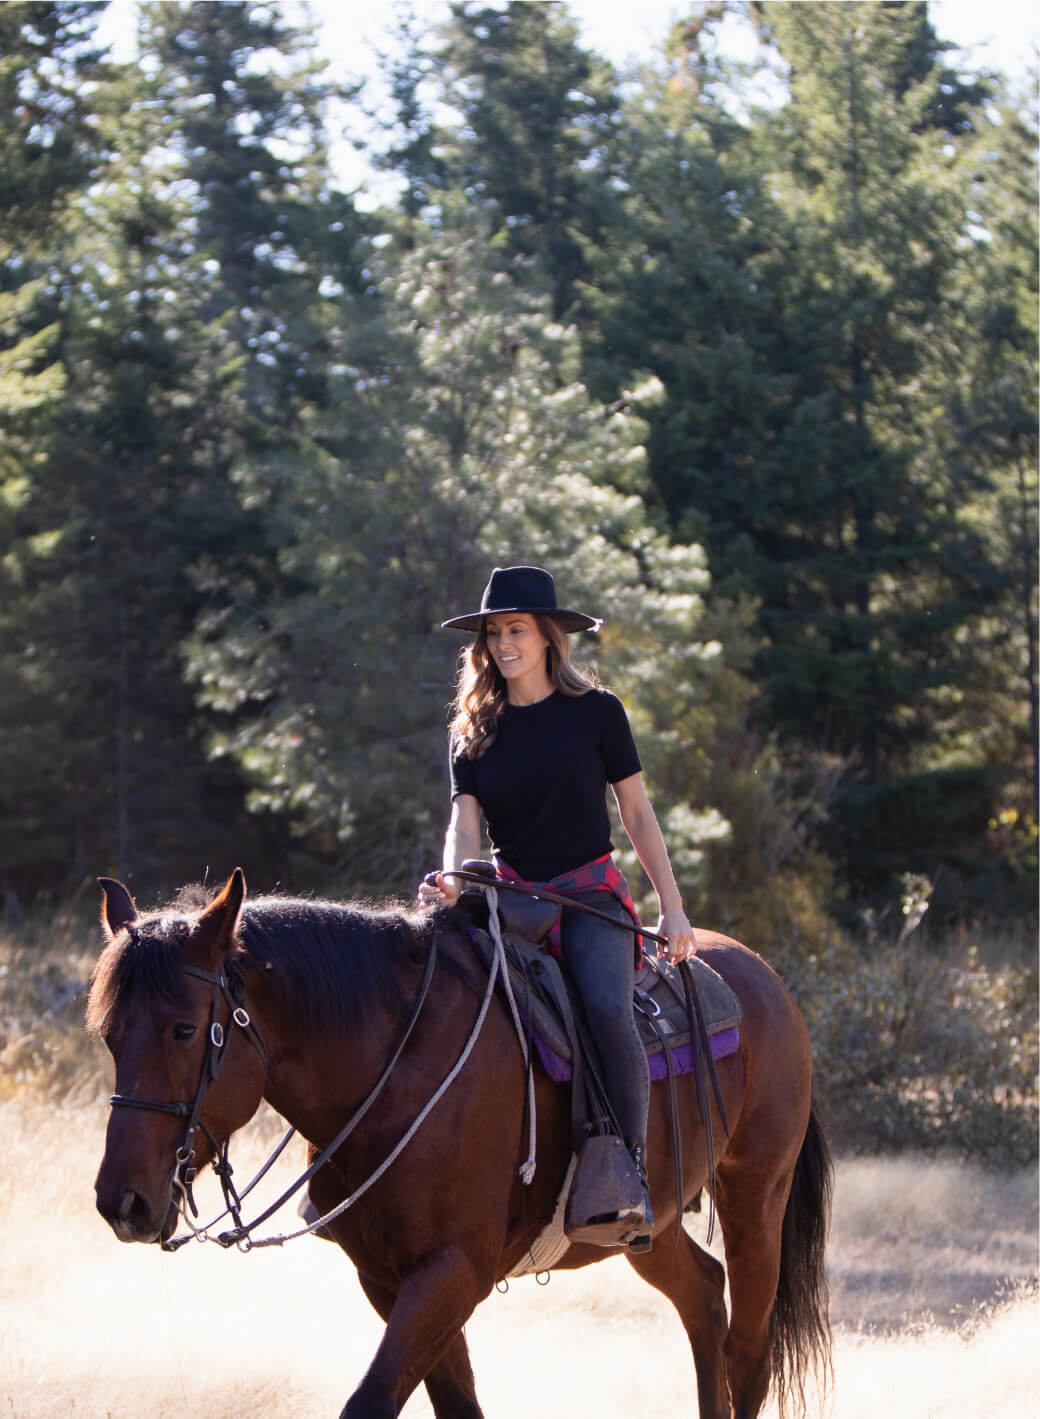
(933, 1272)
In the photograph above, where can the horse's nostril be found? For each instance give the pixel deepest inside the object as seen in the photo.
(126, 1204)
(128, 1213)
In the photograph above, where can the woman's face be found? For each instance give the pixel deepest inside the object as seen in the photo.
(517, 647)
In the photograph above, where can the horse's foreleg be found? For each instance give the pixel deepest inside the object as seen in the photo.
(422, 1341)
(694, 1283)
(450, 1383)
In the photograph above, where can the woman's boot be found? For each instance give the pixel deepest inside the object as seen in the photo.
(642, 1238)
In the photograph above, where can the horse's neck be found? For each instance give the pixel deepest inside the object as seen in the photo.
(317, 1081)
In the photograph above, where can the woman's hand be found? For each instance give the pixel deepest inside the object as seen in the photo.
(681, 940)
(436, 890)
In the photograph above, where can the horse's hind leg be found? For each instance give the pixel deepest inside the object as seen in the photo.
(752, 1216)
(694, 1283)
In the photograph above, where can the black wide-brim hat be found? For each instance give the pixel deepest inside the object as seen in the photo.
(527, 589)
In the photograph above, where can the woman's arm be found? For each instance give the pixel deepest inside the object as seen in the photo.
(461, 842)
(641, 825)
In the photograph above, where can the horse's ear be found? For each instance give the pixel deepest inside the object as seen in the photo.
(118, 908)
(221, 916)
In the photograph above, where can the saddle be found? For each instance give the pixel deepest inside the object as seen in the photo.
(659, 1000)
(685, 1018)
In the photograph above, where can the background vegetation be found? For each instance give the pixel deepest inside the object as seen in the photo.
(758, 382)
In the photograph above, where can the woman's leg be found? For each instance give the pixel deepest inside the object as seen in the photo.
(601, 958)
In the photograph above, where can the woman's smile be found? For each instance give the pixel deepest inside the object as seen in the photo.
(518, 648)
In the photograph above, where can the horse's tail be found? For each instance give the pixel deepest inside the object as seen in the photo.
(800, 1330)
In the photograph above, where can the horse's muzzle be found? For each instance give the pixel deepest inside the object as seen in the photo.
(133, 1218)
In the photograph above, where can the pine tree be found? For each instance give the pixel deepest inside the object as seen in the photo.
(410, 153)
(796, 281)
(992, 447)
(874, 586)
(48, 140)
(247, 102)
(191, 325)
(684, 283)
(483, 448)
(537, 110)
(856, 631)
(50, 145)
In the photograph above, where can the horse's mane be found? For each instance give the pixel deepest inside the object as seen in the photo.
(335, 962)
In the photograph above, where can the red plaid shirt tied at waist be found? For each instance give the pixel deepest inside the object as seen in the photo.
(602, 875)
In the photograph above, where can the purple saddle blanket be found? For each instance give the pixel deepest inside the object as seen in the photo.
(659, 1004)
(723, 1043)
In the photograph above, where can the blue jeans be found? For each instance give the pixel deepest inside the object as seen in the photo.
(601, 959)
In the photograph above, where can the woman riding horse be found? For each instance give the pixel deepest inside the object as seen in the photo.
(534, 744)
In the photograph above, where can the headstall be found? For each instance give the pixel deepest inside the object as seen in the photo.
(229, 987)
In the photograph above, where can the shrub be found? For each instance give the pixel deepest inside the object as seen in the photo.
(915, 1048)
(43, 980)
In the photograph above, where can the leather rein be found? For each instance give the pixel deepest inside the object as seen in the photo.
(542, 894)
(217, 1040)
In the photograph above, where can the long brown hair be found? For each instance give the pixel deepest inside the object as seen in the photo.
(481, 689)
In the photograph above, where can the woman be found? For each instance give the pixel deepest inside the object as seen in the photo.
(534, 745)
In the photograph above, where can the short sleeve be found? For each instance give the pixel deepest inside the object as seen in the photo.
(463, 779)
(620, 755)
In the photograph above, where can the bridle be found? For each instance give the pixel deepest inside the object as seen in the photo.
(228, 986)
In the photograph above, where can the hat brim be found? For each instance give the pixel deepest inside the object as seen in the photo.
(568, 620)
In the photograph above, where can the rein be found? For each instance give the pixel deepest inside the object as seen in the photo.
(185, 1171)
(544, 895)
(239, 1235)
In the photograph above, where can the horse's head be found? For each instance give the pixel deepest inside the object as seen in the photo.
(167, 999)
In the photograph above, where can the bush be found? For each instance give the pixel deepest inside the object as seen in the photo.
(918, 1048)
(44, 974)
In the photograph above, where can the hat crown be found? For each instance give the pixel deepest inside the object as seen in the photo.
(510, 588)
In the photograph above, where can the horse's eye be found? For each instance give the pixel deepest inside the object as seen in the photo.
(183, 1033)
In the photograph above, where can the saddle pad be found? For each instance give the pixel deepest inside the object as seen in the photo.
(659, 993)
(722, 1044)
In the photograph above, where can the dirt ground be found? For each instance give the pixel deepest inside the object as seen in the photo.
(933, 1270)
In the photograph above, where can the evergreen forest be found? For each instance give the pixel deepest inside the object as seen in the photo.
(746, 353)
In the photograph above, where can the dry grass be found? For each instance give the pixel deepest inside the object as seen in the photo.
(933, 1270)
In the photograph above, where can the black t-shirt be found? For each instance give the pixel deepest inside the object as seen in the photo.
(542, 783)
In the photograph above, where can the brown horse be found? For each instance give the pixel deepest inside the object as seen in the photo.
(207, 1009)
